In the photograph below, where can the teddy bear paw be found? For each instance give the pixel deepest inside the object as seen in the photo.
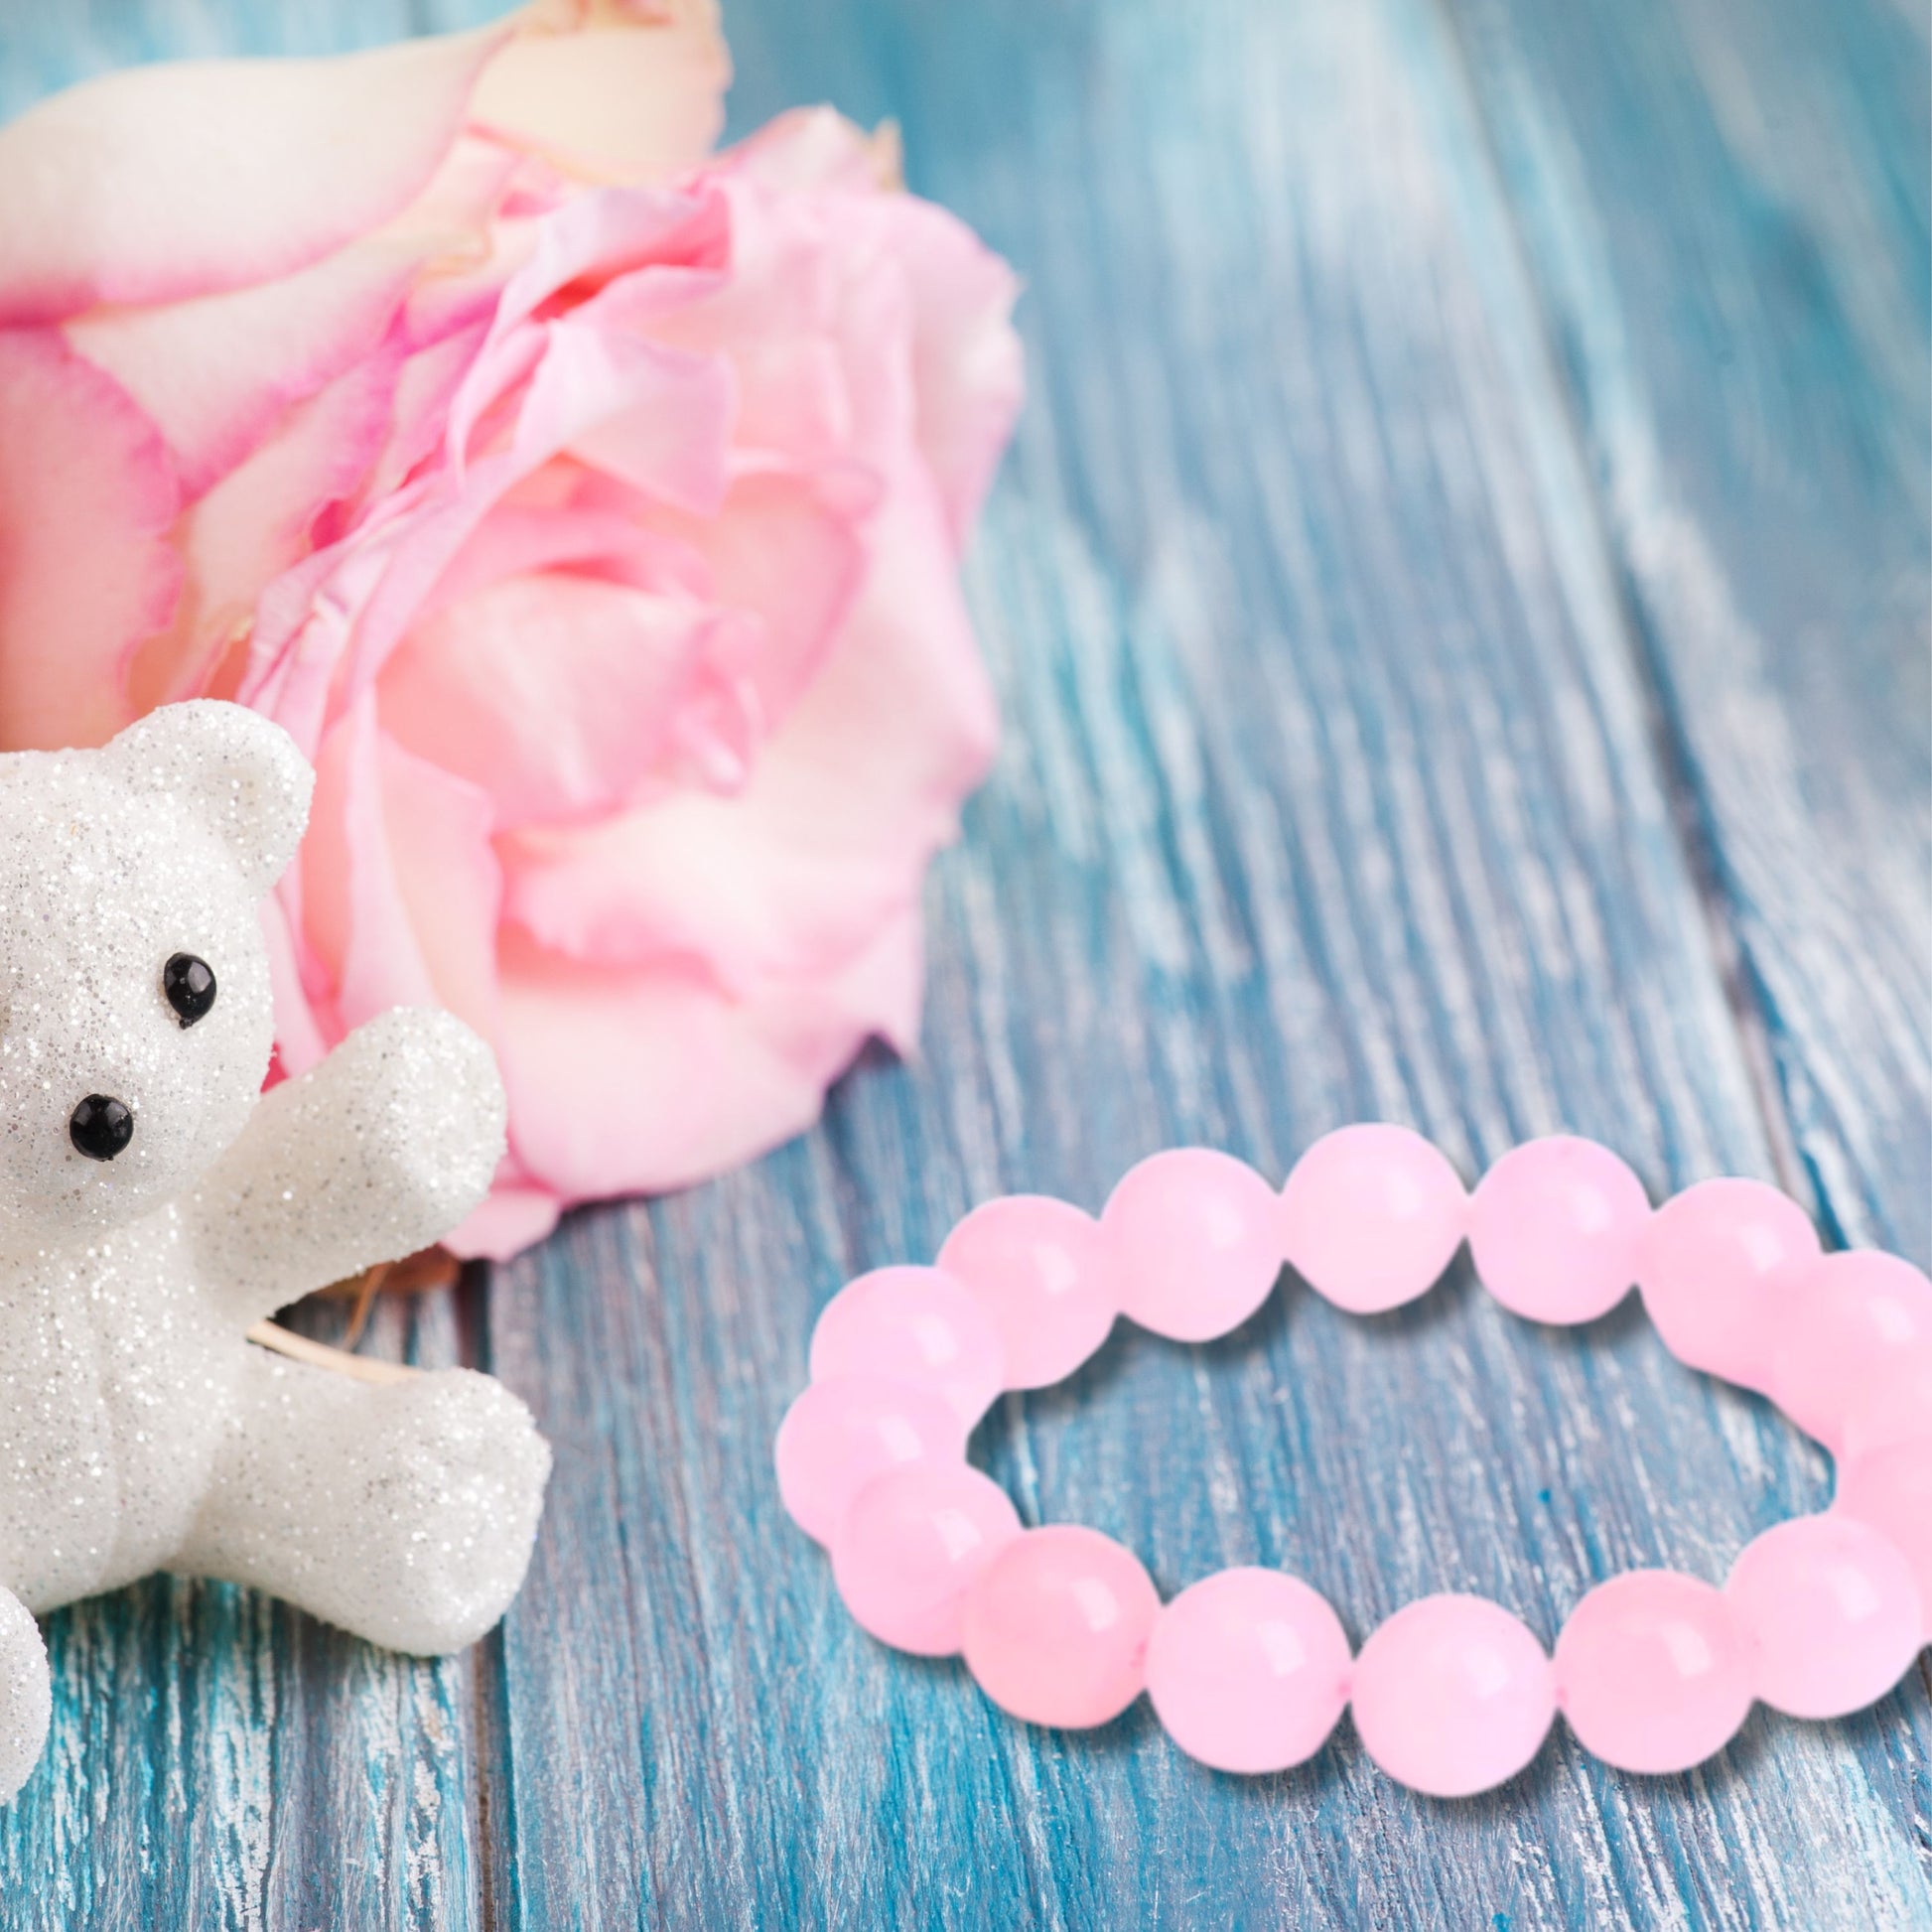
(26, 1693)
(442, 1512)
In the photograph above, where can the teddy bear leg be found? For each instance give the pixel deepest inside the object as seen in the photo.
(403, 1512)
(26, 1695)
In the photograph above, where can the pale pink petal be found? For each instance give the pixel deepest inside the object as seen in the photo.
(627, 1082)
(303, 1034)
(915, 278)
(354, 913)
(789, 550)
(419, 412)
(555, 693)
(511, 1219)
(657, 418)
(438, 832)
(612, 93)
(398, 886)
(654, 418)
(217, 373)
(723, 882)
(968, 372)
(255, 524)
(87, 497)
(607, 540)
(616, 231)
(832, 832)
(162, 181)
(817, 147)
(578, 246)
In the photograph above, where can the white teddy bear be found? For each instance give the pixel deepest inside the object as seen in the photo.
(155, 1205)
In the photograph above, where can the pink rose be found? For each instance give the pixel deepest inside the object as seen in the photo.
(589, 511)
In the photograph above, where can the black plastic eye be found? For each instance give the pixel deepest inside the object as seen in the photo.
(190, 987)
(101, 1127)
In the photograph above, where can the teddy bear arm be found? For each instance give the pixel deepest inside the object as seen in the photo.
(378, 1151)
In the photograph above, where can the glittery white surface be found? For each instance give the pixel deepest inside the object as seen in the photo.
(139, 1429)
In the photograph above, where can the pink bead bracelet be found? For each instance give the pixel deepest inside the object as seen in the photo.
(1250, 1669)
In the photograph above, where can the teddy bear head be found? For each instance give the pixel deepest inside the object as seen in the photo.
(135, 1011)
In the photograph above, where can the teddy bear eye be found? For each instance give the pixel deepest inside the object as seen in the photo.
(190, 985)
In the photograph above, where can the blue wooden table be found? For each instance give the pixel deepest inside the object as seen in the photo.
(1460, 597)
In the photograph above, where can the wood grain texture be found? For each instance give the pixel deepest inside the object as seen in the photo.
(1458, 598)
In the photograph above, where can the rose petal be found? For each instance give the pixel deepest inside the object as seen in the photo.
(162, 181)
(217, 372)
(817, 147)
(685, 238)
(255, 524)
(553, 692)
(87, 497)
(842, 808)
(612, 93)
(304, 1033)
(968, 371)
(811, 172)
(626, 1082)
(511, 1219)
(789, 550)
(439, 828)
(619, 231)
(399, 888)
(419, 411)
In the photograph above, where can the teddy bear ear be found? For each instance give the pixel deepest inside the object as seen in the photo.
(235, 770)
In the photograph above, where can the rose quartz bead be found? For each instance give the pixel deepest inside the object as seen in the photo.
(838, 1435)
(912, 1324)
(1371, 1216)
(1843, 1326)
(1197, 1237)
(1834, 1611)
(1553, 1228)
(910, 1544)
(1057, 1627)
(1895, 1407)
(1653, 1671)
(1248, 1670)
(1715, 1265)
(1891, 1489)
(1452, 1695)
(1045, 1274)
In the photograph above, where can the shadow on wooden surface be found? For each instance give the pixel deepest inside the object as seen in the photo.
(1460, 599)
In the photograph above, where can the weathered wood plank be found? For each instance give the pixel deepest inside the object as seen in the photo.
(1727, 206)
(1332, 788)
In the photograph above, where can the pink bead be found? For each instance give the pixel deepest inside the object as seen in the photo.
(838, 1435)
(1452, 1695)
(1842, 1328)
(1057, 1627)
(1371, 1215)
(912, 1324)
(1894, 1407)
(1891, 1489)
(911, 1542)
(1653, 1671)
(1715, 1265)
(1248, 1670)
(1834, 1611)
(1196, 1240)
(1553, 1228)
(1047, 1276)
